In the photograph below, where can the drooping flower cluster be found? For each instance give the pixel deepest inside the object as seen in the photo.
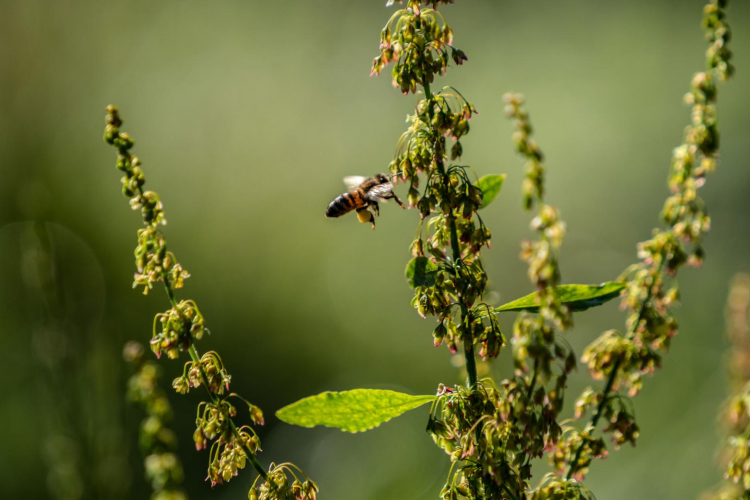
(181, 325)
(492, 434)
(623, 359)
(209, 368)
(278, 487)
(418, 41)
(157, 440)
(735, 417)
(177, 330)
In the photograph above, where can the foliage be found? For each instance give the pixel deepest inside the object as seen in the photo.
(576, 297)
(179, 328)
(351, 411)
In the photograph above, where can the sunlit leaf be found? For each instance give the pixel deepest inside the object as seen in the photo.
(351, 411)
(490, 186)
(577, 297)
(420, 271)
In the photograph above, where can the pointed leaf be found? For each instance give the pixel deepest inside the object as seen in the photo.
(577, 297)
(351, 411)
(490, 186)
(420, 271)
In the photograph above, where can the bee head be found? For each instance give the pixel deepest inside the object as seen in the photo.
(382, 178)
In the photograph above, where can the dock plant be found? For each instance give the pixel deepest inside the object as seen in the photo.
(492, 431)
(176, 332)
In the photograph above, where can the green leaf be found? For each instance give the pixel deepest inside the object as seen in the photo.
(577, 297)
(490, 186)
(351, 411)
(420, 271)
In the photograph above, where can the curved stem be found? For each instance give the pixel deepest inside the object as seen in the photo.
(196, 359)
(170, 292)
(471, 364)
(613, 374)
(251, 456)
(597, 415)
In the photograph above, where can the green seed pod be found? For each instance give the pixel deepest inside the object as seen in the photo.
(445, 207)
(438, 119)
(424, 207)
(439, 334)
(457, 150)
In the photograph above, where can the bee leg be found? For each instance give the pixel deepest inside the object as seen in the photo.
(392, 196)
(375, 208)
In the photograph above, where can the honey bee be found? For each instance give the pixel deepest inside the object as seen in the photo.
(363, 194)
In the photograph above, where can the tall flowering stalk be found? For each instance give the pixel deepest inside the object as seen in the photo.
(179, 328)
(621, 359)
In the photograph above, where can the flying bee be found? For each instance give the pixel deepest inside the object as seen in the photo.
(363, 194)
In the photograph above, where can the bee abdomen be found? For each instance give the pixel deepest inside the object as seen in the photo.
(342, 205)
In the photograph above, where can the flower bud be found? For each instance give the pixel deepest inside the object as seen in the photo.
(199, 439)
(439, 334)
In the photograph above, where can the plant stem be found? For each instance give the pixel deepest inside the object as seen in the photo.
(613, 374)
(471, 364)
(214, 398)
(597, 415)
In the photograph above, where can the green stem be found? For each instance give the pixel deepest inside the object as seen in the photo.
(471, 364)
(170, 292)
(613, 374)
(597, 415)
(214, 398)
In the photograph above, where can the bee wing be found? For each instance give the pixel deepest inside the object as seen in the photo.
(353, 181)
(379, 192)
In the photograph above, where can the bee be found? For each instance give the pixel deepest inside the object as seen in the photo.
(363, 194)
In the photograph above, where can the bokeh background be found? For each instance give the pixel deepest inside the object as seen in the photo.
(247, 114)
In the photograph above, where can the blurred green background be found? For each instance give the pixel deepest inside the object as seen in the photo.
(247, 114)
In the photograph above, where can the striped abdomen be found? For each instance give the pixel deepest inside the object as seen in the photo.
(345, 203)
